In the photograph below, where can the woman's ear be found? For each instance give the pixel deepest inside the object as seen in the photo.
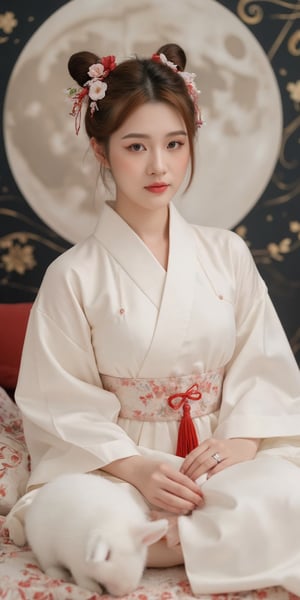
(100, 153)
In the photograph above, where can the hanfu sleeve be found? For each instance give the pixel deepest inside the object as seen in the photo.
(261, 391)
(70, 421)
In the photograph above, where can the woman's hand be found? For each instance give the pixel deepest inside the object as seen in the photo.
(165, 487)
(161, 484)
(226, 452)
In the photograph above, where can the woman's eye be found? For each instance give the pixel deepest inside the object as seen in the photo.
(174, 144)
(136, 147)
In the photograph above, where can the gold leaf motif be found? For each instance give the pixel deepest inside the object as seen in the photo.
(293, 41)
(274, 251)
(8, 22)
(294, 90)
(285, 245)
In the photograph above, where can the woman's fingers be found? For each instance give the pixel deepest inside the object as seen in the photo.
(219, 467)
(204, 463)
(214, 455)
(181, 480)
(173, 504)
(180, 485)
(200, 457)
(174, 491)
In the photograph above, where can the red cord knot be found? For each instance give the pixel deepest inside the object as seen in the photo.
(191, 394)
(187, 435)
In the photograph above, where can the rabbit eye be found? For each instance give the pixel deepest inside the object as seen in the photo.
(108, 555)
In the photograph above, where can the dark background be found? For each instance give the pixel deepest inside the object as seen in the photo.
(272, 227)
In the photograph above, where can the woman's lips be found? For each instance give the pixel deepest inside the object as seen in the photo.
(157, 188)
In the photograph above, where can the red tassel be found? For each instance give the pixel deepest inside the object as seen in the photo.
(187, 436)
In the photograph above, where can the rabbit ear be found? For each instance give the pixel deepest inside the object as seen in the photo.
(97, 549)
(150, 532)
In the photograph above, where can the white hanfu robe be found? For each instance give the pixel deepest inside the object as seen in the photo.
(112, 334)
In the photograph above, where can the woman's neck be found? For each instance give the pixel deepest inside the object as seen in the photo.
(151, 226)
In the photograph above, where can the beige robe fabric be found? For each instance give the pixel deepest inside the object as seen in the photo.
(106, 307)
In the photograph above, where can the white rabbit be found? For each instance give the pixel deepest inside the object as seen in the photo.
(87, 529)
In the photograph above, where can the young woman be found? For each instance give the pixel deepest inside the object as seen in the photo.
(153, 353)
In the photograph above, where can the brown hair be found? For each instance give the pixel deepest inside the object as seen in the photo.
(130, 85)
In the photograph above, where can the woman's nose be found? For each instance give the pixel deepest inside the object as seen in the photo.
(156, 165)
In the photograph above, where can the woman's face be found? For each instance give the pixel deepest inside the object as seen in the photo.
(148, 157)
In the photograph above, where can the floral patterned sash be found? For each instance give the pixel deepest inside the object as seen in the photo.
(148, 399)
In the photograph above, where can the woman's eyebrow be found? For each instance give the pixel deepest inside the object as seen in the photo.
(146, 136)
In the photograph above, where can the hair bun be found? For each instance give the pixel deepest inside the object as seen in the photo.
(79, 64)
(175, 54)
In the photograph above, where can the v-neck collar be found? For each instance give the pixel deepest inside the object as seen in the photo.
(129, 250)
(172, 292)
(177, 299)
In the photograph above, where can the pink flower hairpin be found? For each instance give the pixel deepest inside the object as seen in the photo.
(189, 79)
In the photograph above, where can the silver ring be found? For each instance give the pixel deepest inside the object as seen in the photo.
(216, 456)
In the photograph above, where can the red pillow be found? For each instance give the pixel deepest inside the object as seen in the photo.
(13, 323)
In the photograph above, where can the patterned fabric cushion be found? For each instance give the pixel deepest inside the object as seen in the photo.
(14, 458)
(22, 579)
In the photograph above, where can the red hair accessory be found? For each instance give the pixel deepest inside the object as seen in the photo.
(94, 88)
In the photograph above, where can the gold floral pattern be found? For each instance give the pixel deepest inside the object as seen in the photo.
(8, 22)
(18, 258)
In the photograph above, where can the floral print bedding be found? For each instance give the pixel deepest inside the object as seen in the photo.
(20, 575)
(21, 579)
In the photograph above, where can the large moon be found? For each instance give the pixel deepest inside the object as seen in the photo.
(237, 148)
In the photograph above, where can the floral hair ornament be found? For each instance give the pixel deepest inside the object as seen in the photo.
(94, 88)
(189, 82)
